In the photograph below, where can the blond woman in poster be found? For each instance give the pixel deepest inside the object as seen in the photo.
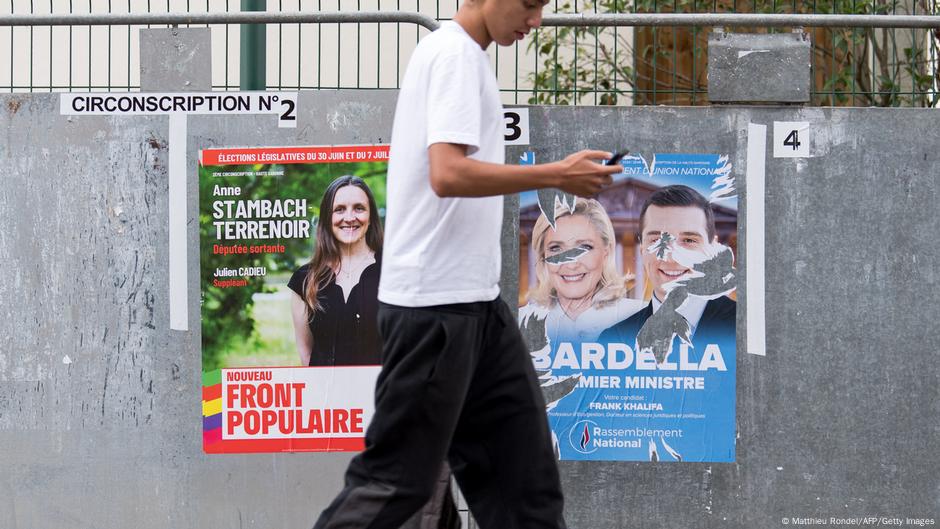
(579, 290)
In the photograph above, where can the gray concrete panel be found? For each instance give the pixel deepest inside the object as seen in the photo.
(759, 68)
(114, 439)
(509, 277)
(840, 418)
(175, 60)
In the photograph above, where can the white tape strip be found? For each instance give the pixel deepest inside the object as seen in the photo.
(756, 322)
(179, 283)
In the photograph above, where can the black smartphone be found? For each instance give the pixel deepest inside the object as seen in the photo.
(615, 159)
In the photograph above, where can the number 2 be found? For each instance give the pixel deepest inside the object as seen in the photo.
(288, 114)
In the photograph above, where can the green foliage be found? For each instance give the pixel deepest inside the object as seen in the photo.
(863, 66)
(575, 63)
(228, 320)
(272, 344)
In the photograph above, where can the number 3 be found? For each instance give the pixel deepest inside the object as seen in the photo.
(513, 130)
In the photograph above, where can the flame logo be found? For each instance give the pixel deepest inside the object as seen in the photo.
(580, 437)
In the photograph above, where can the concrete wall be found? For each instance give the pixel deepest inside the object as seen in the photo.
(841, 418)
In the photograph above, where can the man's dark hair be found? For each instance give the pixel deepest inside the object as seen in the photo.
(680, 196)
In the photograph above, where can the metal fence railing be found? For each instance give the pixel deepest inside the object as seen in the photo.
(599, 52)
(299, 55)
(865, 52)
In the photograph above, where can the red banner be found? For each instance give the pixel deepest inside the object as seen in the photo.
(291, 155)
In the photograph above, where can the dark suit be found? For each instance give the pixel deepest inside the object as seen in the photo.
(717, 321)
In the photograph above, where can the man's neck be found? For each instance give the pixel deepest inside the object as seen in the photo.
(471, 20)
(657, 299)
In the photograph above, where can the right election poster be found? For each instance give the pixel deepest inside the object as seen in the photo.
(628, 308)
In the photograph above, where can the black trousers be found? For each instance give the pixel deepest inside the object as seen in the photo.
(457, 382)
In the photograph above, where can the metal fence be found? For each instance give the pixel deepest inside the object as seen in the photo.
(611, 63)
(855, 61)
(299, 56)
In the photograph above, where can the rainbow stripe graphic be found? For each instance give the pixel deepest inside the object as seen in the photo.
(212, 410)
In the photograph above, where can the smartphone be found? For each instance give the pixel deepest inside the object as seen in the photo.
(615, 159)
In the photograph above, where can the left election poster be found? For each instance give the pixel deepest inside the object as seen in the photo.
(290, 252)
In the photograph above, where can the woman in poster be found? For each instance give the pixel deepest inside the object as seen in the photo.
(578, 290)
(335, 295)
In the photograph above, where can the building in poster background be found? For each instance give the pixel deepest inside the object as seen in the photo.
(266, 388)
(628, 309)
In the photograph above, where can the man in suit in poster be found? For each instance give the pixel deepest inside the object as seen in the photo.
(680, 215)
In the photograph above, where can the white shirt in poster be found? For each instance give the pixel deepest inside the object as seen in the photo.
(587, 326)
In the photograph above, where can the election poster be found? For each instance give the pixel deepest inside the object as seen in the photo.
(627, 304)
(290, 250)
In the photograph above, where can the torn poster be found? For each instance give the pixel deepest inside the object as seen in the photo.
(628, 308)
(290, 348)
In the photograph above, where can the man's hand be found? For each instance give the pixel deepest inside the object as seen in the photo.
(580, 175)
(454, 174)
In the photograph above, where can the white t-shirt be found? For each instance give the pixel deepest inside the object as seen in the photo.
(442, 250)
(588, 325)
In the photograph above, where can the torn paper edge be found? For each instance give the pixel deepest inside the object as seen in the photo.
(179, 308)
(754, 237)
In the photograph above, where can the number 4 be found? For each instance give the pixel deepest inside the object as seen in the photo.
(793, 139)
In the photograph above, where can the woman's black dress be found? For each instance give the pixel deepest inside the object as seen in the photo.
(345, 332)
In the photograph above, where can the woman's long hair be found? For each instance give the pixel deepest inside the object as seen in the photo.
(612, 285)
(326, 256)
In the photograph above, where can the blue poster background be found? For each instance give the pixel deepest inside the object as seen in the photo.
(634, 423)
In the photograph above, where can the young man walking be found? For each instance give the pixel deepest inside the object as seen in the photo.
(457, 381)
